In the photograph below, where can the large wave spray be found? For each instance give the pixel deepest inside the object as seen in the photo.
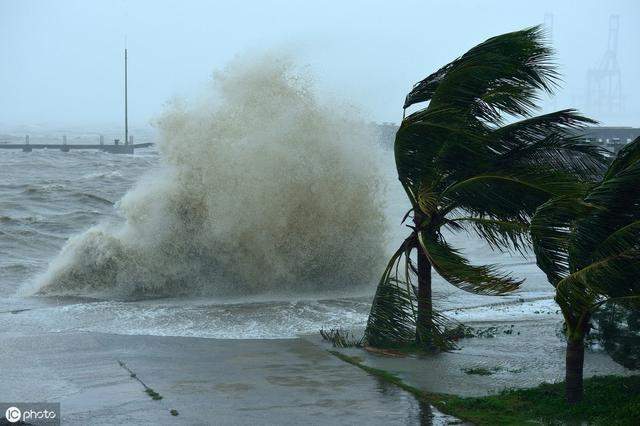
(260, 190)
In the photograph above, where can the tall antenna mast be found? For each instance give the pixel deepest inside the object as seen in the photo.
(126, 112)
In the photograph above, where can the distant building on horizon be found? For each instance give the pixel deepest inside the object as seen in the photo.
(612, 138)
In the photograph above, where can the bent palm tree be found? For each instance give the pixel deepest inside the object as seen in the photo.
(463, 168)
(589, 248)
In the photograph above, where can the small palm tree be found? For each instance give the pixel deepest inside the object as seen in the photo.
(589, 248)
(463, 168)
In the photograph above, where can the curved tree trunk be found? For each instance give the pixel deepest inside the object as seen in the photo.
(574, 369)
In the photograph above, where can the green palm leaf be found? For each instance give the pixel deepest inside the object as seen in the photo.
(551, 230)
(619, 201)
(498, 76)
(627, 156)
(510, 236)
(615, 276)
(589, 246)
(621, 240)
(457, 270)
(392, 319)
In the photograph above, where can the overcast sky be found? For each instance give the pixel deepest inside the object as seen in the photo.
(61, 61)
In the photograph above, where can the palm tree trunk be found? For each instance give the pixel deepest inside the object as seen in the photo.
(424, 326)
(574, 369)
(424, 320)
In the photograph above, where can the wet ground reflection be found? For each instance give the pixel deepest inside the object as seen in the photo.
(413, 411)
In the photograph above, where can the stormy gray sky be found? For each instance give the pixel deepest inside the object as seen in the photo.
(61, 61)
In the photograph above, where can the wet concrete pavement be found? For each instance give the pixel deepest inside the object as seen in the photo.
(208, 381)
(519, 354)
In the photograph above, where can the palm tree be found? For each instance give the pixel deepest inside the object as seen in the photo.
(589, 248)
(463, 168)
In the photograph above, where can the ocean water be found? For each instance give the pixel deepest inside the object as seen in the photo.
(48, 197)
(260, 213)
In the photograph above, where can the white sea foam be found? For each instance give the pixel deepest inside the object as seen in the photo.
(261, 189)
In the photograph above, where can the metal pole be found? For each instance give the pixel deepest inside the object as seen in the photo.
(126, 116)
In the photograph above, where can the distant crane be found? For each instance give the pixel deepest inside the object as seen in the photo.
(604, 83)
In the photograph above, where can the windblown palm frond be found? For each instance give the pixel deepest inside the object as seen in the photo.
(392, 320)
(504, 236)
(457, 270)
(551, 229)
(393, 314)
(499, 76)
(628, 155)
(612, 277)
(619, 199)
(549, 140)
(589, 247)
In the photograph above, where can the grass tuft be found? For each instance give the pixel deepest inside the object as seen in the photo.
(341, 338)
(153, 394)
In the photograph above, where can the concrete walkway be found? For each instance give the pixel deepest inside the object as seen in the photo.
(207, 381)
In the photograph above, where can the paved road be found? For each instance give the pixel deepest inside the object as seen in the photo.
(207, 381)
